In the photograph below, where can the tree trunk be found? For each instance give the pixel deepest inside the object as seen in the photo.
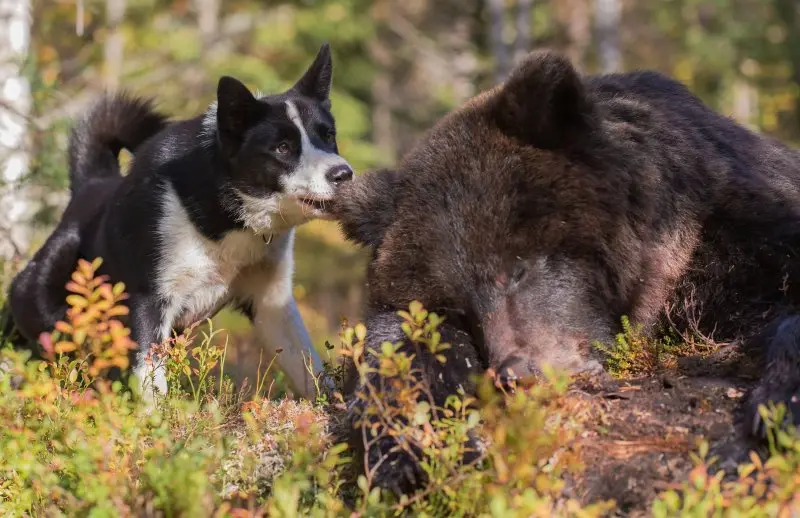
(382, 124)
(789, 13)
(497, 43)
(607, 15)
(16, 203)
(113, 51)
(207, 20)
(575, 15)
(745, 102)
(523, 42)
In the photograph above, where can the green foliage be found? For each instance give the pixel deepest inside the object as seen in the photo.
(77, 444)
(762, 488)
(634, 354)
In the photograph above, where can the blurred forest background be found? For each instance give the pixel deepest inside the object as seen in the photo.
(399, 65)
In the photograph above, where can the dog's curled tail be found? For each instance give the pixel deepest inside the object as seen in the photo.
(115, 122)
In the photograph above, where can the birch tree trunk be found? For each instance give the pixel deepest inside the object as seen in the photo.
(497, 42)
(745, 102)
(576, 15)
(607, 16)
(207, 20)
(524, 40)
(114, 46)
(788, 12)
(382, 117)
(16, 203)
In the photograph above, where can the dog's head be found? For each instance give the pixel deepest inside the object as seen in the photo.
(281, 149)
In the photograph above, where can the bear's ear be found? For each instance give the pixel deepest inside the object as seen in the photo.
(365, 206)
(544, 103)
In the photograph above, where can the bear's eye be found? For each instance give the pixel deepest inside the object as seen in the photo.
(519, 274)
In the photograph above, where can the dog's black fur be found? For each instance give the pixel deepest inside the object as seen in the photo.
(37, 294)
(225, 182)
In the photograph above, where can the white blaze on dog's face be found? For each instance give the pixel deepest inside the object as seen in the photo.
(318, 172)
(285, 166)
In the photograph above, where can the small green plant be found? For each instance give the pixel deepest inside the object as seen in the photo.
(77, 444)
(312, 481)
(190, 364)
(92, 340)
(635, 354)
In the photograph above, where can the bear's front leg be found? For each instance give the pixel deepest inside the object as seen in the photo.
(392, 461)
(780, 380)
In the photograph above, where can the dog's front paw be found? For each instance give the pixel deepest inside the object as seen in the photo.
(151, 384)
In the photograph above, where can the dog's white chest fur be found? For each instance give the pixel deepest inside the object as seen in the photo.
(196, 274)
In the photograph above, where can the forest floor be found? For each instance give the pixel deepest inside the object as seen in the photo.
(643, 431)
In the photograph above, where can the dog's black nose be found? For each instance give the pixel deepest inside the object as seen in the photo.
(339, 174)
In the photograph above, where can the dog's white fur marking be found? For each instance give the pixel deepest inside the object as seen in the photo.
(152, 378)
(309, 180)
(209, 124)
(272, 213)
(195, 273)
(257, 213)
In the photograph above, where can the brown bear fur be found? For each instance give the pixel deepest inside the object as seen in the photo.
(539, 213)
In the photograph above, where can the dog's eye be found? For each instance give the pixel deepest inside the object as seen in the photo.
(330, 136)
(283, 148)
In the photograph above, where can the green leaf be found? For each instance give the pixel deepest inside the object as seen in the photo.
(77, 301)
(361, 332)
(473, 418)
(422, 413)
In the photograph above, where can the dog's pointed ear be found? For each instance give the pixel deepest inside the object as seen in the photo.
(237, 111)
(544, 103)
(365, 206)
(317, 80)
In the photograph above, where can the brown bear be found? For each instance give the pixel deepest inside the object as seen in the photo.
(542, 211)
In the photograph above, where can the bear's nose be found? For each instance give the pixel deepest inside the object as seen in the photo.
(339, 174)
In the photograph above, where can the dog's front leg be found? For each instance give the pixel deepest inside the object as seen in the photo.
(280, 331)
(148, 329)
(266, 289)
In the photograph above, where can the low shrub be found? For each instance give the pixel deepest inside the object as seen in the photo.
(77, 442)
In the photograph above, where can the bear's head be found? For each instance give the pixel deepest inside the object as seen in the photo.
(503, 218)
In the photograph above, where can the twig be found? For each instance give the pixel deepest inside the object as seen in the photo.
(27, 118)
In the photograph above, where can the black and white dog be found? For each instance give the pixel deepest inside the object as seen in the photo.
(204, 218)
